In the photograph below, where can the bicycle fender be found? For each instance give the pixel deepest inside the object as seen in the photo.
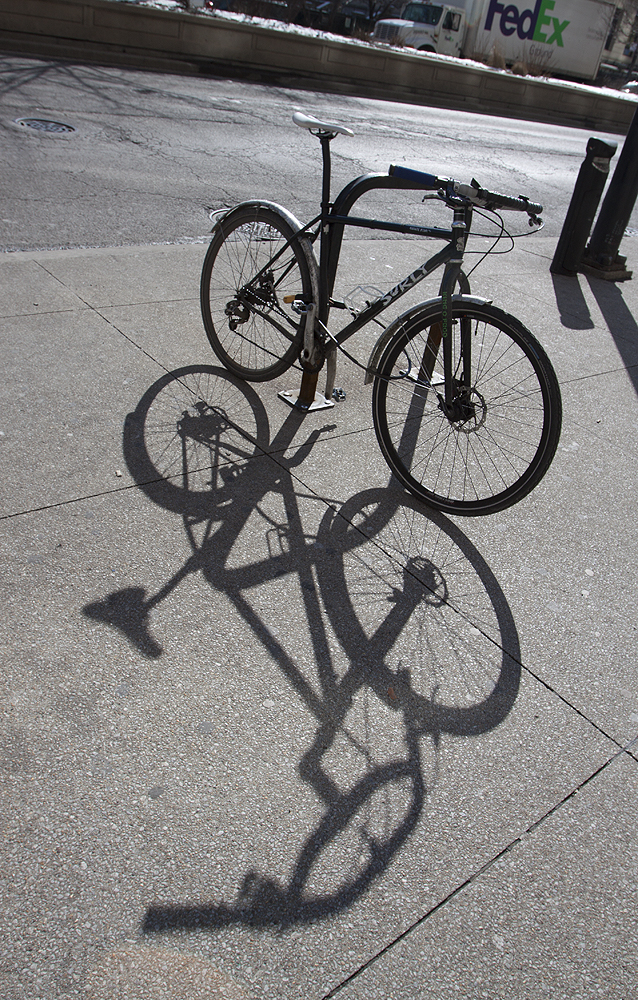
(260, 203)
(418, 312)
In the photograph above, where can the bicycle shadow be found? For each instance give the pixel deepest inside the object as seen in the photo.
(406, 621)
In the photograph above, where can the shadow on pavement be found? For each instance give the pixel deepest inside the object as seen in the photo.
(575, 315)
(621, 323)
(423, 629)
(573, 309)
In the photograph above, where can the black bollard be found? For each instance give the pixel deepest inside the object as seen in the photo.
(582, 208)
(601, 257)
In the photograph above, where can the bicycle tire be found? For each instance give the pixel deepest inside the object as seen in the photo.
(253, 332)
(502, 448)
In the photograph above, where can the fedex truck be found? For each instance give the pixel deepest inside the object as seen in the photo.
(563, 37)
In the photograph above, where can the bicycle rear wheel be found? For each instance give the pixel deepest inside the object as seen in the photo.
(499, 443)
(255, 280)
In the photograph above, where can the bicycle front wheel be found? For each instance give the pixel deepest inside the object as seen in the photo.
(256, 279)
(498, 441)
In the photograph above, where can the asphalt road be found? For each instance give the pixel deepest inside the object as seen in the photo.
(151, 155)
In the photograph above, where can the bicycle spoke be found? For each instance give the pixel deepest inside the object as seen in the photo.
(254, 264)
(497, 439)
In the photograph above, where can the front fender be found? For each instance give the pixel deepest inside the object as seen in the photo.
(420, 313)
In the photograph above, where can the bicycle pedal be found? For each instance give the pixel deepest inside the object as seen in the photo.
(338, 394)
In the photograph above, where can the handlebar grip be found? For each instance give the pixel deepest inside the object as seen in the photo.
(473, 192)
(428, 181)
(491, 199)
(516, 204)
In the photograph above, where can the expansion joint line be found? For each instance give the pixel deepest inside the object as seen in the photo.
(475, 876)
(97, 312)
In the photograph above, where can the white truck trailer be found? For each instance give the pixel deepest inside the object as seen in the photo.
(552, 37)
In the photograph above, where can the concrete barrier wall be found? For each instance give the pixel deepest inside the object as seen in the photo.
(123, 34)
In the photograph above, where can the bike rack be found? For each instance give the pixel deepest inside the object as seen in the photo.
(308, 398)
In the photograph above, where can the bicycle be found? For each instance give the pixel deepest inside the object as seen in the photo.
(465, 403)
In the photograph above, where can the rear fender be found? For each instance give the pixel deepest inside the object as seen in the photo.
(293, 222)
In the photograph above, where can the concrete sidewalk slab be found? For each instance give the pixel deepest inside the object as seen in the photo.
(27, 289)
(252, 774)
(67, 378)
(128, 275)
(263, 713)
(554, 916)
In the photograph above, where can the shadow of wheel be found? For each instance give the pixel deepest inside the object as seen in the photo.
(190, 434)
(415, 605)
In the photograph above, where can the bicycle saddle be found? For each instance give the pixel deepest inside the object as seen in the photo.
(309, 122)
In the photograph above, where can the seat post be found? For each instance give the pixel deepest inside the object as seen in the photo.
(324, 237)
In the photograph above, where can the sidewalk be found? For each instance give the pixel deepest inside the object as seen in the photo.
(247, 754)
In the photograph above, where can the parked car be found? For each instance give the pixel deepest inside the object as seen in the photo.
(348, 18)
(273, 10)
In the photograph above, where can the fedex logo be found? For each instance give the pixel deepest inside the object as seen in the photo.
(535, 24)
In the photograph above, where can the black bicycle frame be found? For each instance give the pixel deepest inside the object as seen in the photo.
(332, 222)
(335, 217)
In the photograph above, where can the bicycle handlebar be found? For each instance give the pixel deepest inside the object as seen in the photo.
(491, 199)
(473, 192)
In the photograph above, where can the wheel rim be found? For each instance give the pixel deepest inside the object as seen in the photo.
(490, 450)
(254, 321)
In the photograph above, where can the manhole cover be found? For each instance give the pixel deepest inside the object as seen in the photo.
(44, 125)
